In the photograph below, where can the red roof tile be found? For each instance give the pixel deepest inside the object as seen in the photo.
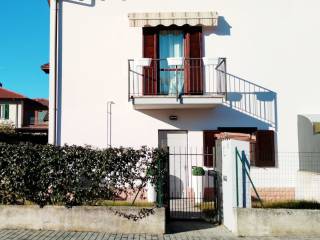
(7, 94)
(43, 101)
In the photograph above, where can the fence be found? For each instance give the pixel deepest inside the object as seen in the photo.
(296, 177)
(193, 191)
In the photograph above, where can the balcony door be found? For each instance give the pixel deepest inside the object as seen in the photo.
(160, 43)
(171, 77)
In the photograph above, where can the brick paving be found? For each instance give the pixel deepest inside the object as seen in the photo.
(179, 231)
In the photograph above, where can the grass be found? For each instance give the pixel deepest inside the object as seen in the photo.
(208, 208)
(108, 203)
(290, 204)
(205, 206)
(102, 203)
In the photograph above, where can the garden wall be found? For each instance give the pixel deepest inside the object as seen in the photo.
(82, 218)
(277, 222)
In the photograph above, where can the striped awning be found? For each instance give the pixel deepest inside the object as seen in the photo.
(173, 18)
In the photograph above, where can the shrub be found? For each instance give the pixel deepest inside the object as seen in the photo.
(288, 204)
(6, 128)
(198, 171)
(13, 137)
(74, 175)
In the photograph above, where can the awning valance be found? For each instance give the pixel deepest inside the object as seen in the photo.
(173, 18)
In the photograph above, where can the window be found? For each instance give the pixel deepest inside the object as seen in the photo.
(262, 144)
(42, 116)
(264, 149)
(209, 147)
(4, 111)
(160, 43)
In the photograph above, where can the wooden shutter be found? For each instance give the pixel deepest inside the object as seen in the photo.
(265, 149)
(6, 111)
(150, 50)
(193, 63)
(209, 139)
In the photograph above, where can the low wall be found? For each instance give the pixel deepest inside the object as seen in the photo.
(277, 222)
(83, 218)
(308, 186)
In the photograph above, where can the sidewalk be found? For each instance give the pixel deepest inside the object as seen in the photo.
(214, 234)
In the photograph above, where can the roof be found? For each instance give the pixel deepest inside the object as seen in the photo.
(7, 94)
(10, 95)
(43, 101)
(45, 67)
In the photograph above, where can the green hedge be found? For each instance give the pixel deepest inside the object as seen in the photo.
(73, 175)
(16, 138)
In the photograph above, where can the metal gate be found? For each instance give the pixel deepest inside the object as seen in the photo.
(192, 190)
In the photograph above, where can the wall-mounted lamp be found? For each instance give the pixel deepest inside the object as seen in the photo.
(173, 117)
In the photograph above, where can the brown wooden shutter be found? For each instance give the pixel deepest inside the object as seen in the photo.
(209, 139)
(193, 63)
(265, 149)
(150, 50)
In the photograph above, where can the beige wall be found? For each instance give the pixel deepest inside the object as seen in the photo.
(87, 219)
(277, 222)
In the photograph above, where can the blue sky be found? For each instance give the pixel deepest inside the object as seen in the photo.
(24, 46)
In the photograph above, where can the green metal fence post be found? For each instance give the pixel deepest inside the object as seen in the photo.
(237, 184)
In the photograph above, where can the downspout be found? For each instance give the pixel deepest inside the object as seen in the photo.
(54, 71)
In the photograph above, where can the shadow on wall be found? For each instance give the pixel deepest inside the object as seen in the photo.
(206, 119)
(86, 3)
(223, 28)
(177, 187)
(309, 143)
(251, 99)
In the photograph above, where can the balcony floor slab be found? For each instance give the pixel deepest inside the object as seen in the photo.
(171, 102)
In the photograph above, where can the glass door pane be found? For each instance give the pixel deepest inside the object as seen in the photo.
(170, 45)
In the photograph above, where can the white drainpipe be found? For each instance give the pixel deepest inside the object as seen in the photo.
(53, 76)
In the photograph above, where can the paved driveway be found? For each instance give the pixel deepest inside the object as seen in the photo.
(179, 231)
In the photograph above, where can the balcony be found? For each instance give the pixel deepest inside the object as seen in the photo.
(175, 83)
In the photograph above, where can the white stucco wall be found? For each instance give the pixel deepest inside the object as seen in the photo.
(271, 43)
(233, 196)
(15, 114)
(309, 143)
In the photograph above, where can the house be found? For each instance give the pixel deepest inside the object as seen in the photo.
(23, 113)
(183, 74)
(45, 68)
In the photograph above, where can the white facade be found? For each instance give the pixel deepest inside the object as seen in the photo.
(271, 43)
(15, 114)
(236, 192)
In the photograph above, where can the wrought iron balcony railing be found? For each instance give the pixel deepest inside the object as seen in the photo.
(176, 77)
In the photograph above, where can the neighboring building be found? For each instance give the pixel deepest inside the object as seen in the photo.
(183, 74)
(25, 114)
(45, 68)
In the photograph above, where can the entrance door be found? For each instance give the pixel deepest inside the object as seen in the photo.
(177, 142)
(178, 161)
(186, 196)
